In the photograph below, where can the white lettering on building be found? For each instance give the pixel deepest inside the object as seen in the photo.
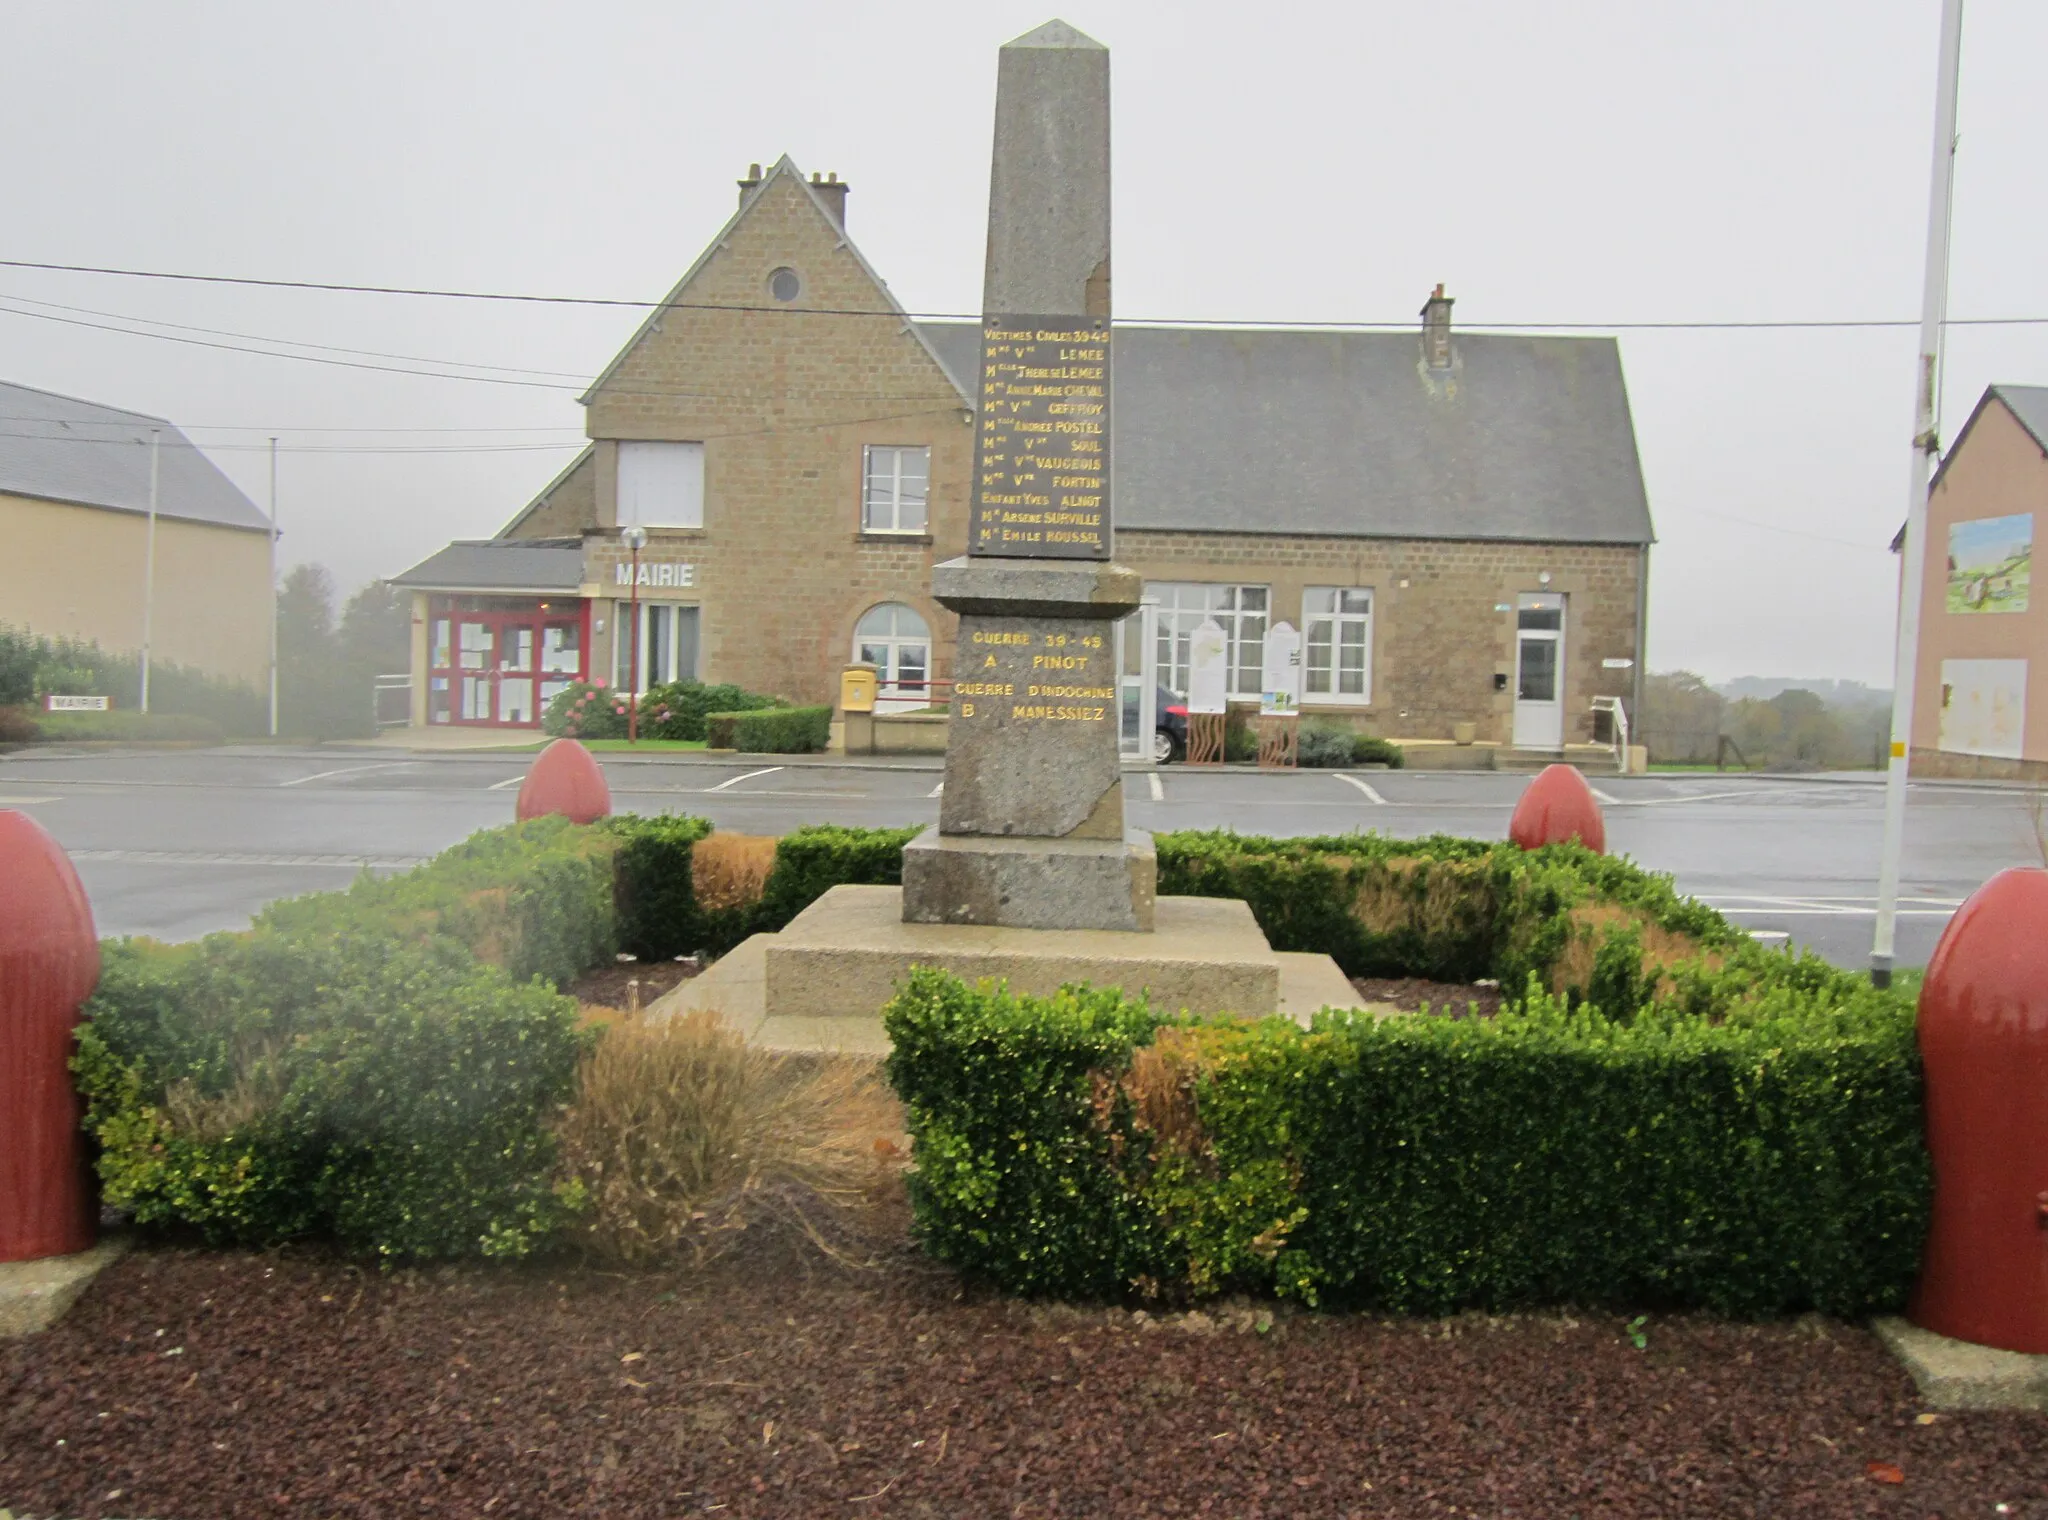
(662, 574)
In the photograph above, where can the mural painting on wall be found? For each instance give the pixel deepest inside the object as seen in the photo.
(1984, 707)
(1990, 560)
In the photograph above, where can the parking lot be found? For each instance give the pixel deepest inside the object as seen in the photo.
(179, 843)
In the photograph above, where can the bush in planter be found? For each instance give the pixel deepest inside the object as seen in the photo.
(392, 1095)
(1371, 749)
(679, 709)
(1084, 1144)
(1323, 746)
(586, 710)
(771, 731)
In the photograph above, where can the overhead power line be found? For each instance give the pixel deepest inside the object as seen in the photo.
(1403, 325)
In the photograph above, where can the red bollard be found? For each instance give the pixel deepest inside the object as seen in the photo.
(49, 964)
(1984, 1043)
(566, 780)
(1558, 806)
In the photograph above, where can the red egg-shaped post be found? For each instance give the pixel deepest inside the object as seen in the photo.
(1558, 806)
(49, 964)
(565, 779)
(1984, 1046)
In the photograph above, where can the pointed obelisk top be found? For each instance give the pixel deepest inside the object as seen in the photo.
(1056, 34)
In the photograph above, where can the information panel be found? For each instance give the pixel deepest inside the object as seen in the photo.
(1041, 456)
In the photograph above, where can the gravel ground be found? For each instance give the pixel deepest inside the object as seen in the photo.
(198, 1385)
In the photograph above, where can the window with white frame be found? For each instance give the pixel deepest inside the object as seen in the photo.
(661, 485)
(1336, 644)
(895, 640)
(897, 482)
(1241, 611)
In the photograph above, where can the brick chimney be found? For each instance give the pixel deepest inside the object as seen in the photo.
(751, 183)
(1436, 330)
(833, 194)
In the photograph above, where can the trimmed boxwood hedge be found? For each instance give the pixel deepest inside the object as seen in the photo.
(771, 731)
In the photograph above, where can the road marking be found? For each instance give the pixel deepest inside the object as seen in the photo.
(499, 786)
(1607, 797)
(749, 776)
(1366, 787)
(26, 801)
(250, 858)
(937, 790)
(1158, 789)
(350, 770)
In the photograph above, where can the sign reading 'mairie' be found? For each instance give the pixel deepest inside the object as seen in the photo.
(1041, 458)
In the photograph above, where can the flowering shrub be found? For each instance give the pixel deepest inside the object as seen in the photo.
(587, 710)
(678, 710)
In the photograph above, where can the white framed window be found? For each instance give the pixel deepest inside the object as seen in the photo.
(896, 641)
(896, 483)
(1336, 644)
(1242, 611)
(661, 485)
(667, 640)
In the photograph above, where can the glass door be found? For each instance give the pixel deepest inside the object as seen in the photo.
(515, 673)
(476, 644)
(1539, 671)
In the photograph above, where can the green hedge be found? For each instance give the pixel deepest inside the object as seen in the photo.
(680, 709)
(127, 727)
(1083, 1145)
(771, 731)
(535, 898)
(390, 1094)
(652, 888)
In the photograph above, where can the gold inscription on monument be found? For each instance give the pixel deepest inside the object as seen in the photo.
(1029, 678)
(1041, 458)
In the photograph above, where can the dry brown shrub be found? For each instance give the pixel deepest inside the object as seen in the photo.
(194, 1116)
(1662, 948)
(730, 870)
(686, 1136)
(1386, 902)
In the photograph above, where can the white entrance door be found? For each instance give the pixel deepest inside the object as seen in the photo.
(1539, 671)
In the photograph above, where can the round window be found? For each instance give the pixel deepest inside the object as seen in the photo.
(784, 285)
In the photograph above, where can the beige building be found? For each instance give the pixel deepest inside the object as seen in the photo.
(75, 537)
(1456, 523)
(1980, 700)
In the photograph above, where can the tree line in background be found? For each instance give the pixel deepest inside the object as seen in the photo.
(1752, 723)
(328, 658)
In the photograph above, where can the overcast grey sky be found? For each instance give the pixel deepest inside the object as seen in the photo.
(1564, 161)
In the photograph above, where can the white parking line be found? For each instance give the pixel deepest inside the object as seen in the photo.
(1158, 789)
(749, 776)
(1607, 797)
(349, 770)
(937, 790)
(26, 801)
(499, 786)
(1372, 795)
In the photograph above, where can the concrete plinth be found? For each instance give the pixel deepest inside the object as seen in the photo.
(850, 949)
(34, 1295)
(1031, 883)
(1953, 1374)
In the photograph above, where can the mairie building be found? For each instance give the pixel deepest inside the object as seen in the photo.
(1455, 522)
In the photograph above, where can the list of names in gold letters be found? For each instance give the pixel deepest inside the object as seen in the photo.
(1041, 458)
(1018, 672)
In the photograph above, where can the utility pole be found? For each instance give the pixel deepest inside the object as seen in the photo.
(156, 438)
(1926, 445)
(273, 588)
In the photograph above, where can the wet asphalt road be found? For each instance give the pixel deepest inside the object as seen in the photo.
(175, 844)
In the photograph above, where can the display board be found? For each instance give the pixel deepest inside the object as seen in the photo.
(1280, 676)
(1041, 454)
(1208, 668)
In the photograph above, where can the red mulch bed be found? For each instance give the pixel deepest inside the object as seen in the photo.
(1453, 999)
(197, 1385)
(607, 985)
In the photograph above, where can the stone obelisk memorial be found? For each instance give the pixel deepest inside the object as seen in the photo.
(1031, 821)
(1030, 876)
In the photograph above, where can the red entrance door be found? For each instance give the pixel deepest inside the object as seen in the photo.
(499, 665)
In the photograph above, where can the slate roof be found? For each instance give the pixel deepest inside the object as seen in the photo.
(2029, 403)
(59, 448)
(1347, 434)
(510, 565)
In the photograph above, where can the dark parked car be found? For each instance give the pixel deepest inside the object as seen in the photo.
(1170, 727)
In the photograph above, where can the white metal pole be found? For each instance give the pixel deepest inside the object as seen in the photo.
(1926, 445)
(156, 438)
(273, 588)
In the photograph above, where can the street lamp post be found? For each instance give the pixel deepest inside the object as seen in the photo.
(636, 540)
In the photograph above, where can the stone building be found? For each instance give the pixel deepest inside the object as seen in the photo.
(74, 523)
(1980, 702)
(1456, 522)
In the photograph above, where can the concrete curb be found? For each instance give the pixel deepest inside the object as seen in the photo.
(34, 1295)
(1954, 1374)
